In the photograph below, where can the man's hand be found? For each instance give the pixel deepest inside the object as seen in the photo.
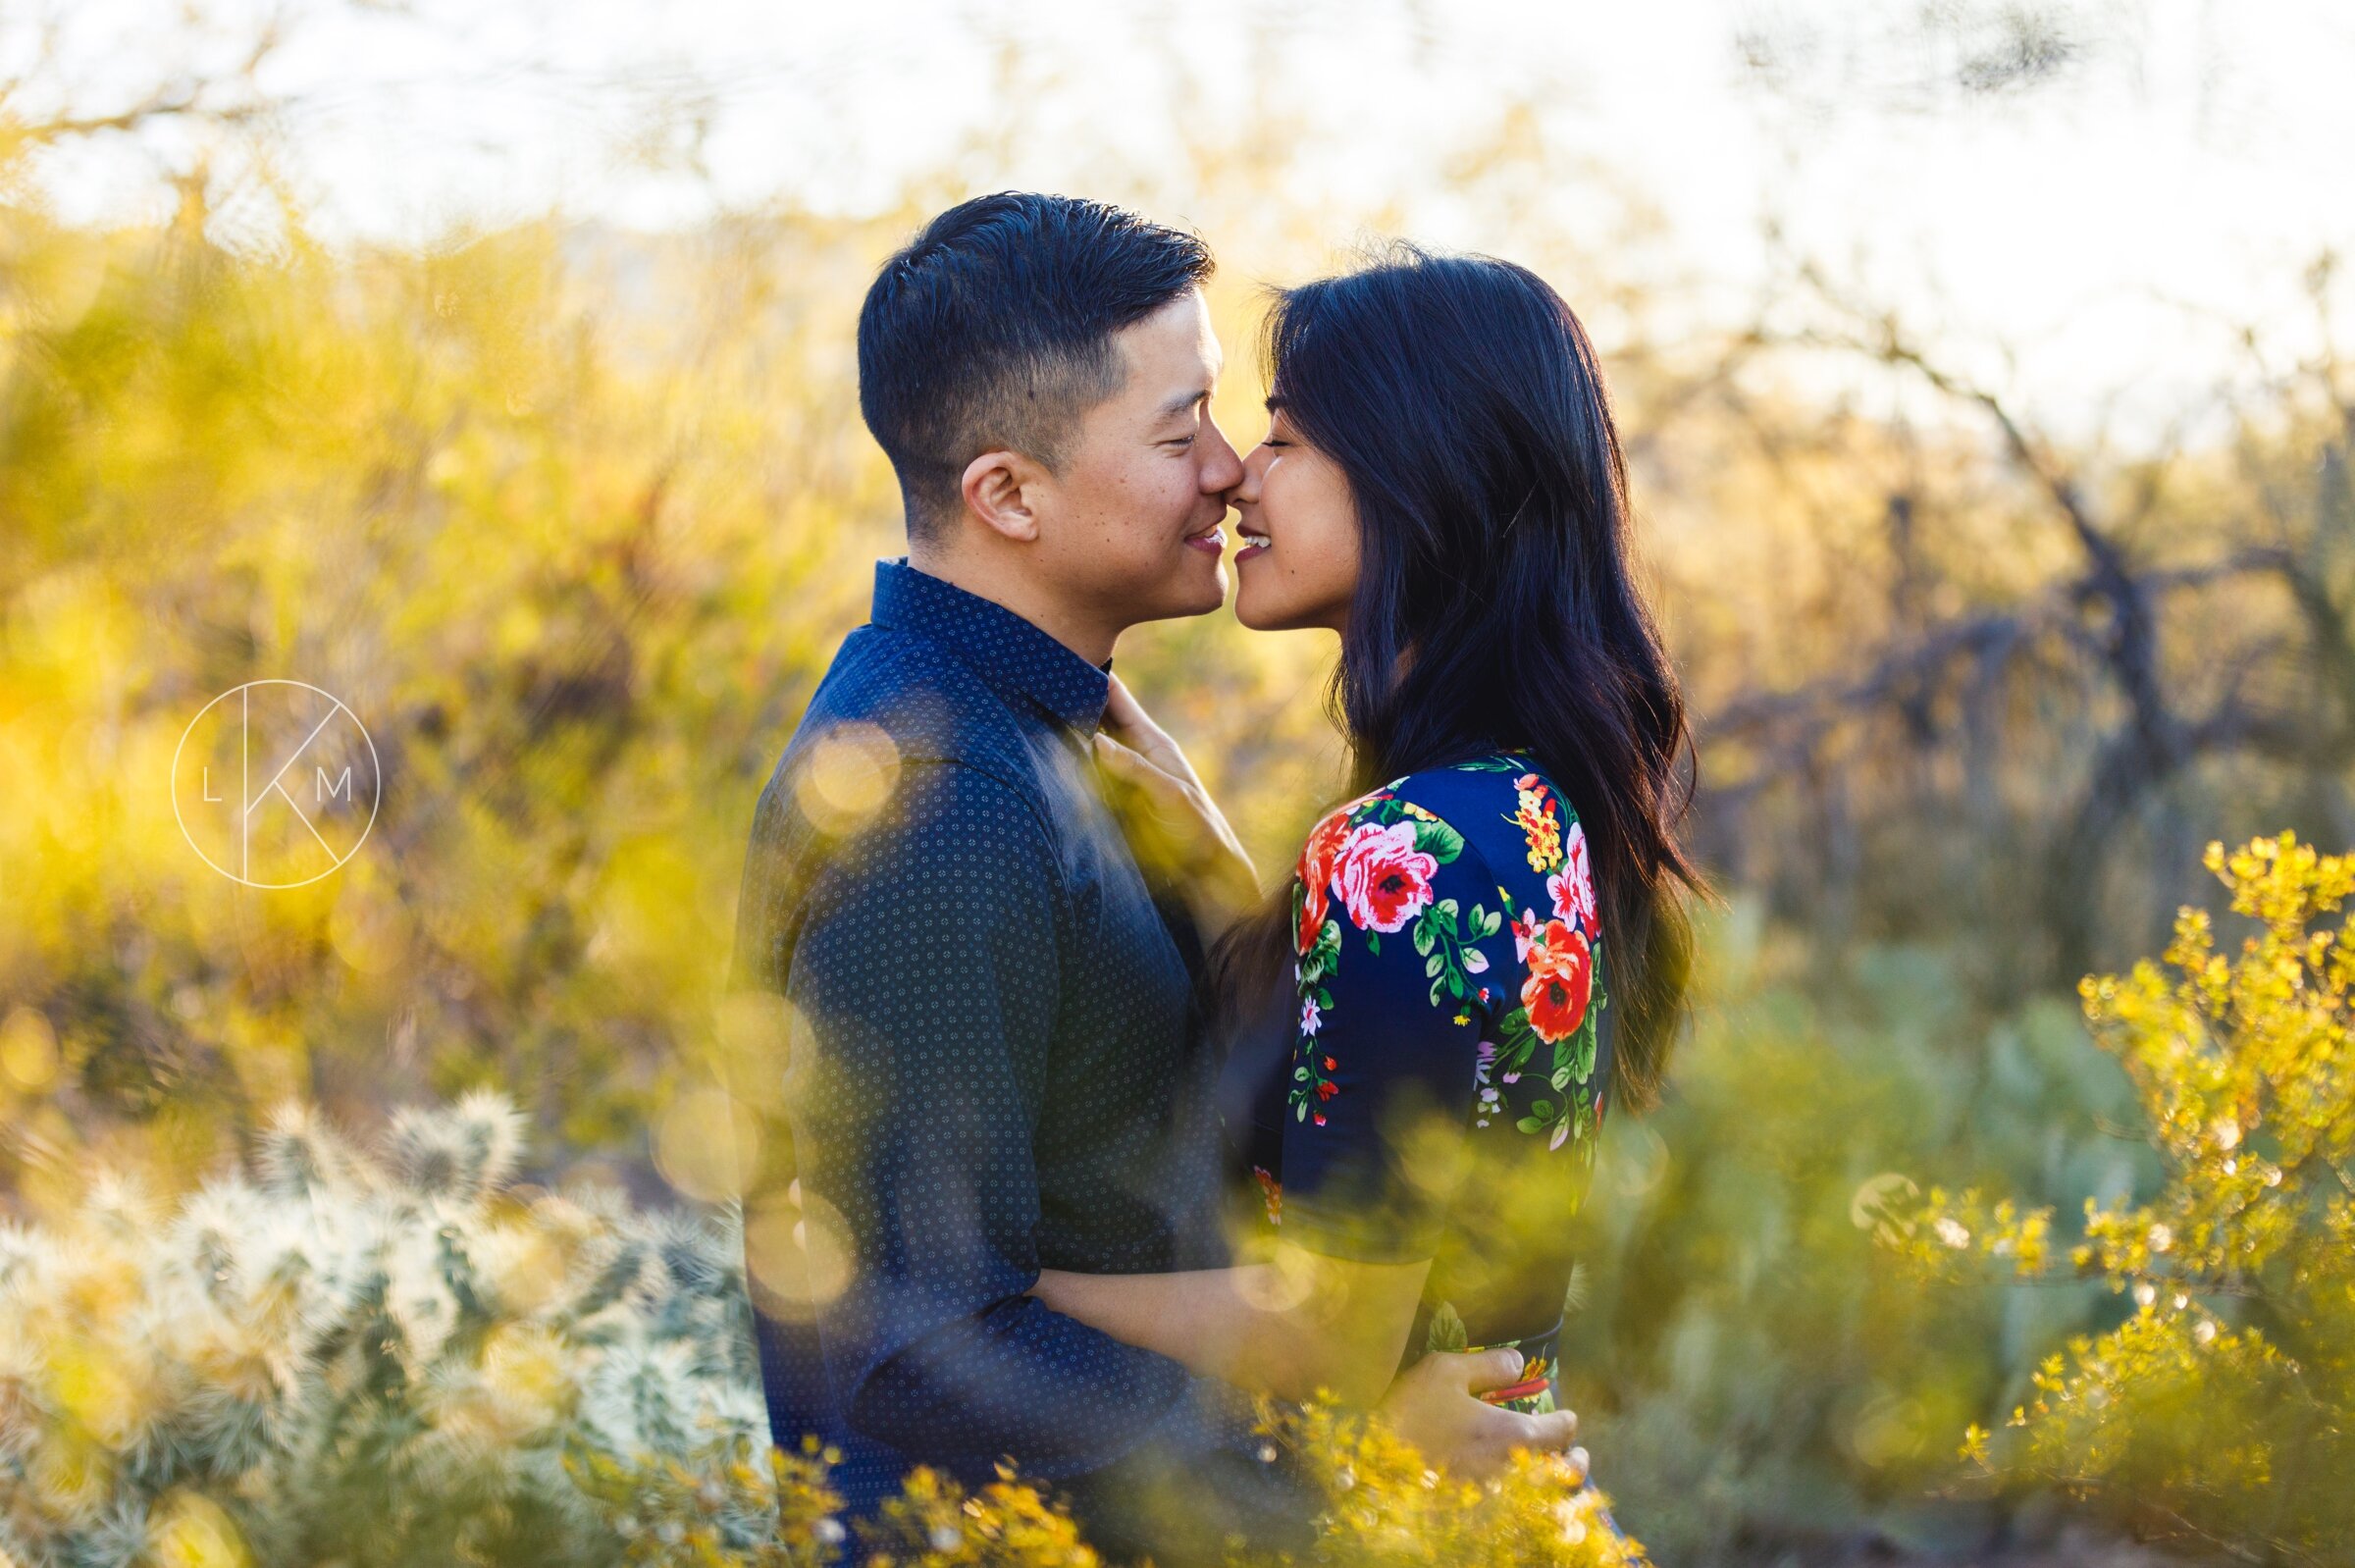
(1171, 822)
(1434, 1404)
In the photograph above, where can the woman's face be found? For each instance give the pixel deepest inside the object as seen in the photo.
(1298, 565)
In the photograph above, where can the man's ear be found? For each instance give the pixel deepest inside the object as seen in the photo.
(1001, 488)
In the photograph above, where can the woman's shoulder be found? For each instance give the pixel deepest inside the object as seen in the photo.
(1501, 803)
(1496, 817)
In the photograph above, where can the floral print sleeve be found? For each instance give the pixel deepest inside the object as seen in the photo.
(1448, 973)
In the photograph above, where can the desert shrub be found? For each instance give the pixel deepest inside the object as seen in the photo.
(393, 1355)
(1754, 1387)
(2218, 1409)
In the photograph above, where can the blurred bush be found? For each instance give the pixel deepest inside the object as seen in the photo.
(396, 1357)
(1755, 1389)
(2219, 1410)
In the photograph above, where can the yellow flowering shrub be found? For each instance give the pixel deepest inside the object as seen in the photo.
(395, 1355)
(2219, 1409)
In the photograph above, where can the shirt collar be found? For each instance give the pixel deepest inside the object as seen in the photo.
(1009, 652)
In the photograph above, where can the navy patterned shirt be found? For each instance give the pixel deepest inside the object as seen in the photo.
(995, 1069)
(1429, 1082)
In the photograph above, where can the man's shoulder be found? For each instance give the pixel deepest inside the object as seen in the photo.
(894, 700)
(909, 685)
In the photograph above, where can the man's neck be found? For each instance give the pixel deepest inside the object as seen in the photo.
(1013, 589)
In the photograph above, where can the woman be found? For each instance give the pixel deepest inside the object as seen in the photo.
(1424, 1029)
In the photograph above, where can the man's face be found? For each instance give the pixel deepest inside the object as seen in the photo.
(1130, 525)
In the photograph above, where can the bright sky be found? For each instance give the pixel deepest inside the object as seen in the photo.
(2183, 153)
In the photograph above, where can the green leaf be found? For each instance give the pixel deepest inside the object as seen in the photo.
(1446, 1330)
(1373, 941)
(1435, 964)
(1439, 841)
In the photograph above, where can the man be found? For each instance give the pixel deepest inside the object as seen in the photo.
(994, 1070)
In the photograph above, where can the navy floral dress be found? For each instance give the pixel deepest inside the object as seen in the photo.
(1448, 1046)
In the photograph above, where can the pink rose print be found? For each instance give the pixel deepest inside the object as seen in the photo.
(1383, 880)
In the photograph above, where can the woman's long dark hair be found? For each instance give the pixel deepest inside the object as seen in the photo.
(1496, 607)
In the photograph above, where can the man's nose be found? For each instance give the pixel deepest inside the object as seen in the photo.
(1222, 468)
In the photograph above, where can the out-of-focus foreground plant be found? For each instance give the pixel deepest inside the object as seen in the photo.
(2221, 1410)
(399, 1358)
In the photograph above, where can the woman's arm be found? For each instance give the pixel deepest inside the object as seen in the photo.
(1302, 1323)
(1232, 1324)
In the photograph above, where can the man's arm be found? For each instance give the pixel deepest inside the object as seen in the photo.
(927, 968)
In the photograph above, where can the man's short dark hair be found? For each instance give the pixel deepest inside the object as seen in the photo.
(993, 328)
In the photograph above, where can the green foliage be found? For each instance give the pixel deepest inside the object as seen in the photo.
(1747, 1380)
(2218, 1411)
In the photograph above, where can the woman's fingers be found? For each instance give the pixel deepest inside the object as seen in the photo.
(1482, 1369)
(1125, 720)
(1128, 764)
(1552, 1432)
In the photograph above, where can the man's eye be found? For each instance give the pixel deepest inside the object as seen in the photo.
(1181, 441)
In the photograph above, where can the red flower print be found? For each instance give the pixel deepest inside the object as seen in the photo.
(1383, 880)
(1326, 1089)
(1271, 1194)
(1330, 1064)
(1573, 886)
(1320, 1118)
(1561, 971)
(1316, 875)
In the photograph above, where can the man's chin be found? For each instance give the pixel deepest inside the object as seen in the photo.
(1191, 594)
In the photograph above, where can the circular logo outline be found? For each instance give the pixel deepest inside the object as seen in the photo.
(376, 769)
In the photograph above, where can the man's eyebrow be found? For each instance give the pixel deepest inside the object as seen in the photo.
(1274, 404)
(1182, 403)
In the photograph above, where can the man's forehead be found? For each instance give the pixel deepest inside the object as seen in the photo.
(1174, 345)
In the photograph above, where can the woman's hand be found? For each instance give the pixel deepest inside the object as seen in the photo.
(1435, 1405)
(1173, 823)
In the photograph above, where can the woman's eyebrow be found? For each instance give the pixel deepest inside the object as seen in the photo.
(1274, 404)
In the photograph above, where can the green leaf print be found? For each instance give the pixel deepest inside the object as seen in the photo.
(1574, 1054)
(1438, 840)
(1322, 956)
(1519, 1042)
(1446, 1331)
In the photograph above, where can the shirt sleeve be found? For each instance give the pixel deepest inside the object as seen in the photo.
(1396, 984)
(926, 972)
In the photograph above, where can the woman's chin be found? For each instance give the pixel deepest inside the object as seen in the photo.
(1252, 614)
